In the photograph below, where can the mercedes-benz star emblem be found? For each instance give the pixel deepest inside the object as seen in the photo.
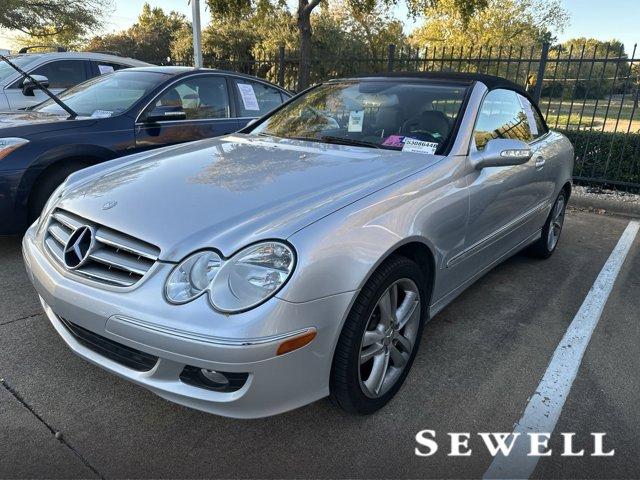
(109, 204)
(78, 247)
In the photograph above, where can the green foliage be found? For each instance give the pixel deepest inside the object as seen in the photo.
(150, 38)
(44, 18)
(494, 22)
(593, 160)
(587, 80)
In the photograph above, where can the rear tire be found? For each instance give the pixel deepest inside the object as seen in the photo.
(546, 245)
(47, 183)
(380, 337)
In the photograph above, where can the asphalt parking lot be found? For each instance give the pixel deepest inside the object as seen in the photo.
(480, 361)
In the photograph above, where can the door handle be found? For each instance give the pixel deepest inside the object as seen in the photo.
(540, 161)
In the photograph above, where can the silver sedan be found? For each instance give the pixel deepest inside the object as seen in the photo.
(300, 257)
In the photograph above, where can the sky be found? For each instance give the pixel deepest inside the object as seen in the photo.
(603, 20)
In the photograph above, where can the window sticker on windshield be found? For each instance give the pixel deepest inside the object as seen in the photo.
(356, 118)
(528, 111)
(249, 99)
(105, 69)
(394, 141)
(101, 114)
(414, 145)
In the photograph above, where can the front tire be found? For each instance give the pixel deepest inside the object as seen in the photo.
(380, 337)
(552, 229)
(47, 184)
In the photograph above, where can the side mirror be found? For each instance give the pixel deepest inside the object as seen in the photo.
(164, 113)
(501, 152)
(28, 86)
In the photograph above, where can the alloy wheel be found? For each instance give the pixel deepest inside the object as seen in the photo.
(555, 227)
(389, 338)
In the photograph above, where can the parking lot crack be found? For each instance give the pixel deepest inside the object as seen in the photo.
(21, 318)
(57, 434)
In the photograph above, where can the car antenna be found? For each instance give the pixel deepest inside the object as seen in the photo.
(49, 93)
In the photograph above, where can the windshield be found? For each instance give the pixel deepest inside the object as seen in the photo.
(106, 95)
(391, 114)
(7, 71)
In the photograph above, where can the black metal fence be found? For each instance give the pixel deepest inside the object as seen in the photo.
(591, 92)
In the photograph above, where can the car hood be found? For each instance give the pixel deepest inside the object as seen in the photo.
(228, 192)
(19, 118)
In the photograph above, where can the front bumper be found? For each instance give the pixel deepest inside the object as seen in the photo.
(195, 335)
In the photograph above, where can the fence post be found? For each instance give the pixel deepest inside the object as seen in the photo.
(544, 56)
(391, 50)
(281, 65)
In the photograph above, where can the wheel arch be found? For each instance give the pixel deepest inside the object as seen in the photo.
(417, 249)
(57, 158)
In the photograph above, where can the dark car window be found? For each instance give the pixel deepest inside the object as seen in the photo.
(502, 116)
(200, 97)
(63, 73)
(255, 98)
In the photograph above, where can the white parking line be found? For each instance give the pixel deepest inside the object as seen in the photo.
(545, 405)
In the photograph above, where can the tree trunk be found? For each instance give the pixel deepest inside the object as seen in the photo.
(304, 65)
(304, 29)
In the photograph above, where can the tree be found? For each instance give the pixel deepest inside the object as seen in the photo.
(596, 80)
(70, 38)
(44, 18)
(150, 38)
(303, 20)
(499, 22)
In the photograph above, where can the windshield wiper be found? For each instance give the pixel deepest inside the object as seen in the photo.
(48, 92)
(348, 141)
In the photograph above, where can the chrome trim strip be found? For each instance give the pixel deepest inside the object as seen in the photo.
(213, 340)
(67, 220)
(111, 260)
(109, 239)
(499, 233)
(112, 279)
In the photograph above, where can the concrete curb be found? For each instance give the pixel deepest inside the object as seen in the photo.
(601, 204)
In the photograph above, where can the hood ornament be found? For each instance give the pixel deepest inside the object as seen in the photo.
(110, 204)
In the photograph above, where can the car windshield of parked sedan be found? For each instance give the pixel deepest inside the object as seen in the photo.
(7, 71)
(106, 95)
(391, 114)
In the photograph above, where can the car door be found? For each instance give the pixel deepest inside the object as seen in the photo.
(255, 99)
(504, 202)
(206, 105)
(547, 158)
(61, 74)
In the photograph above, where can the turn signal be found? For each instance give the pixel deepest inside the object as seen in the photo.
(296, 342)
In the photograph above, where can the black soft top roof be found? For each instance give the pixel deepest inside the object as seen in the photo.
(491, 81)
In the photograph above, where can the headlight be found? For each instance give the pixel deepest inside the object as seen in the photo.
(247, 279)
(9, 144)
(252, 276)
(192, 277)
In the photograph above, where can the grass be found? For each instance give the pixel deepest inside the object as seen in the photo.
(613, 116)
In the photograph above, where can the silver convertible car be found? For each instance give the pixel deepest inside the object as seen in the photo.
(299, 258)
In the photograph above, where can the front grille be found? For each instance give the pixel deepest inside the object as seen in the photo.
(116, 259)
(127, 356)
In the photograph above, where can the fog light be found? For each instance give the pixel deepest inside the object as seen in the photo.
(214, 377)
